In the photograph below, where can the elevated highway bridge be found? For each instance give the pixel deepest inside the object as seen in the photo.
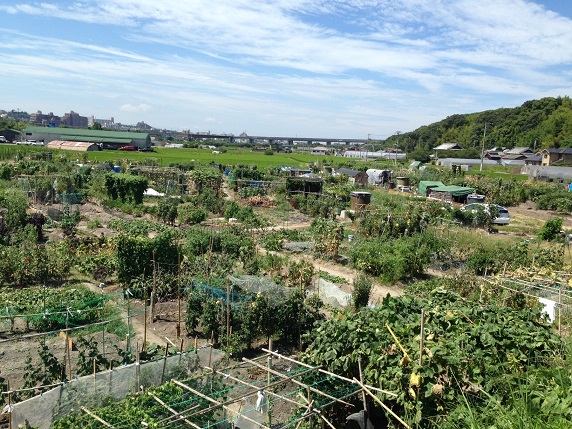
(274, 139)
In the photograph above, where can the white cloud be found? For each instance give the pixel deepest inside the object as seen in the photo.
(135, 108)
(298, 58)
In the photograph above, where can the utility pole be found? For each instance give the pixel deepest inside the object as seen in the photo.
(397, 145)
(483, 147)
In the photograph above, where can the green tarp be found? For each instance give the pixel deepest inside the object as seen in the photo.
(425, 185)
(456, 191)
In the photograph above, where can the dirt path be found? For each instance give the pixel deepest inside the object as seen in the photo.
(137, 319)
(528, 210)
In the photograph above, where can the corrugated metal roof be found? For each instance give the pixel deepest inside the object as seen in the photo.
(347, 171)
(86, 132)
(465, 161)
(456, 191)
(100, 139)
(547, 172)
(518, 150)
(447, 146)
(71, 145)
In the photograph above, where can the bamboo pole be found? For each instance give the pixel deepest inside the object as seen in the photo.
(245, 383)
(299, 383)
(331, 374)
(385, 407)
(398, 343)
(218, 404)
(137, 369)
(99, 419)
(175, 412)
(361, 382)
(249, 393)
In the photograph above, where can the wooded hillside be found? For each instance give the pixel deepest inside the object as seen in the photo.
(547, 121)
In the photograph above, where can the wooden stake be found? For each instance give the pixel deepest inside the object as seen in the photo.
(137, 369)
(422, 337)
(154, 292)
(268, 381)
(227, 312)
(164, 363)
(560, 311)
(179, 293)
(9, 404)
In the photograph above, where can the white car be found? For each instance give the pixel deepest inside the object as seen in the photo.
(503, 217)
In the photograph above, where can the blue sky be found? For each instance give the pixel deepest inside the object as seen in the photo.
(323, 68)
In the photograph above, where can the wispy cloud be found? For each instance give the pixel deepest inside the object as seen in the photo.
(308, 55)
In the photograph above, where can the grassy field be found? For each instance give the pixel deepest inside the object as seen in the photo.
(239, 156)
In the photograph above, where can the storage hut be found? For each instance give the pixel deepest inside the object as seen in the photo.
(379, 177)
(354, 176)
(359, 200)
(451, 193)
(72, 145)
(425, 186)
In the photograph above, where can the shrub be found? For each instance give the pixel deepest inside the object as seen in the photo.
(189, 214)
(362, 291)
(551, 229)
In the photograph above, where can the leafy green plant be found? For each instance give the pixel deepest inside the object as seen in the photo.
(551, 229)
(467, 350)
(328, 236)
(89, 358)
(167, 210)
(94, 223)
(332, 278)
(189, 214)
(362, 291)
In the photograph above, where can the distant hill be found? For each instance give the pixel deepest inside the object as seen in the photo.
(547, 121)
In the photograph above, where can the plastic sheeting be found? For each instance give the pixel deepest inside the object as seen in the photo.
(273, 292)
(42, 410)
(331, 294)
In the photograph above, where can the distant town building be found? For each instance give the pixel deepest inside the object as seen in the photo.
(105, 139)
(73, 119)
(50, 119)
(105, 123)
(553, 156)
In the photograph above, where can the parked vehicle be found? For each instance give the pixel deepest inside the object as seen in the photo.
(3, 139)
(129, 148)
(36, 143)
(502, 218)
(23, 142)
(146, 149)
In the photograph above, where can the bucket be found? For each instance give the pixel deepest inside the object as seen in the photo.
(117, 168)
